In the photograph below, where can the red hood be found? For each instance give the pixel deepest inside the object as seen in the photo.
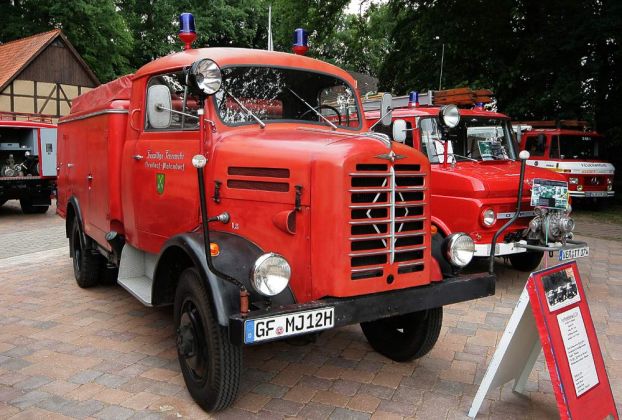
(485, 179)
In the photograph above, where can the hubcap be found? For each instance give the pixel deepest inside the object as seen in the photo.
(191, 343)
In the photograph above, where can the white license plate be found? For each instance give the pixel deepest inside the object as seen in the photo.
(571, 254)
(280, 326)
(596, 193)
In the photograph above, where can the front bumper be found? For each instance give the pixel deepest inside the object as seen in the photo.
(483, 250)
(592, 194)
(509, 248)
(357, 309)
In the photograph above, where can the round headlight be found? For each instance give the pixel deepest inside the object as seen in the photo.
(205, 75)
(459, 249)
(450, 115)
(271, 274)
(489, 217)
(573, 180)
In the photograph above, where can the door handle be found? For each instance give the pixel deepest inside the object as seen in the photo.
(89, 177)
(70, 165)
(137, 157)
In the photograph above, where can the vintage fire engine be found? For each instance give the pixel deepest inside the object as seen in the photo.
(570, 148)
(296, 219)
(475, 177)
(27, 160)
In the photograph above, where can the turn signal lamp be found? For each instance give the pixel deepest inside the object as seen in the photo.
(433, 230)
(187, 31)
(301, 41)
(214, 249)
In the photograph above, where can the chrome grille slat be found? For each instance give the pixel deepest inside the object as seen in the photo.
(387, 225)
(369, 222)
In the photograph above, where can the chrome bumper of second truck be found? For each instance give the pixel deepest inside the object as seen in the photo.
(508, 248)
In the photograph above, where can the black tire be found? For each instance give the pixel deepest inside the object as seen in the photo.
(86, 264)
(526, 261)
(210, 364)
(405, 337)
(29, 208)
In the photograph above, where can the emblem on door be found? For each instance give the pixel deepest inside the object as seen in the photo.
(160, 178)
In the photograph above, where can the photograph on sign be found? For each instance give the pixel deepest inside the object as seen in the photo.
(578, 350)
(549, 194)
(561, 289)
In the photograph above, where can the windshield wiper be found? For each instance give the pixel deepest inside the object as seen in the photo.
(311, 108)
(248, 111)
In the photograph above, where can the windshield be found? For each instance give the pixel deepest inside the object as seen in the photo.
(475, 138)
(574, 147)
(285, 95)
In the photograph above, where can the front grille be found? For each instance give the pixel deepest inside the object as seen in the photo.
(387, 219)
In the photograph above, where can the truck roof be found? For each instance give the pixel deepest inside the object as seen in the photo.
(225, 57)
(103, 95)
(24, 120)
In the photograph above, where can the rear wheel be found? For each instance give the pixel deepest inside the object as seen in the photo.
(86, 264)
(526, 261)
(29, 208)
(210, 364)
(405, 337)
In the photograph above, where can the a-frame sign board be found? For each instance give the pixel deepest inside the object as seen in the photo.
(552, 314)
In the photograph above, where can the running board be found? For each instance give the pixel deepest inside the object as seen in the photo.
(136, 273)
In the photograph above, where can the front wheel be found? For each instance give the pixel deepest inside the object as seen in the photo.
(405, 337)
(210, 364)
(526, 261)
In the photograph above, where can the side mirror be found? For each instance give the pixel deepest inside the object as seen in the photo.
(158, 106)
(386, 110)
(399, 131)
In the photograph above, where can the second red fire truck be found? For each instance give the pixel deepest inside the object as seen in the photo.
(244, 188)
(572, 150)
(475, 178)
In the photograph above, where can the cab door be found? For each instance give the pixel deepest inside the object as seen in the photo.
(165, 190)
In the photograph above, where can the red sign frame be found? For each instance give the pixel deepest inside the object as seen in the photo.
(556, 302)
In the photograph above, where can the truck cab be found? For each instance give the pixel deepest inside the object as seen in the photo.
(27, 160)
(244, 188)
(572, 150)
(475, 170)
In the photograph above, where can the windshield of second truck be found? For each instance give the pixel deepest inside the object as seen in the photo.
(475, 138)
(574, 147)
(286, 95)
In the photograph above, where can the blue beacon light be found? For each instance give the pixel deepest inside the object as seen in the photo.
(413, 99)
(301, 41)
(187, 31)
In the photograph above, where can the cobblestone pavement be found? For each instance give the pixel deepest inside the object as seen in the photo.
(66, 352)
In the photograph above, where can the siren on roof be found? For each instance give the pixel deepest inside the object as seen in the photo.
(187, 31)
(301, 42)
(413, 99)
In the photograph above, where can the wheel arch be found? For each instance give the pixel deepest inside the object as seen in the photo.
(237, 257)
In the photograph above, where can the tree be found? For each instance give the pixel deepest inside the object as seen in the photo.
(94, 27)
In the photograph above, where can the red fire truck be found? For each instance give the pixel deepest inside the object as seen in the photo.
(474, 181)
(570, 148)
(296, 219)
(27, 160)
